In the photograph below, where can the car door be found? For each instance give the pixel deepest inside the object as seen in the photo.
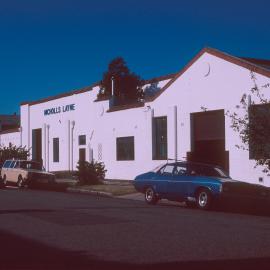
(16, 171)
(162, 178)
(5, 169)
(178, 185)
(11, 173)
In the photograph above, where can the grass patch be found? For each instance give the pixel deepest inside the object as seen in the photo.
(115, 190)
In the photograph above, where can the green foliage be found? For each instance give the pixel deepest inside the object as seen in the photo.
(12, 152)
(251, 121)
(90, 173)
(127, 85)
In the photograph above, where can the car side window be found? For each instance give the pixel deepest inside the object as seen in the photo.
(167, 170)
(23, 165)
(201, 170)
(180, 170)
(195, 170)
(17, 165)
(11, 166)
(6, 164)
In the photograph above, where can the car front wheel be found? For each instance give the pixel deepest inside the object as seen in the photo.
(150, 196)
(4, 180)
(203, 199)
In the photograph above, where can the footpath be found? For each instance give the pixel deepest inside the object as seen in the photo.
(109, 188)
(122, 189)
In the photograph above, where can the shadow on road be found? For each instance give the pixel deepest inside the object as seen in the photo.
(20, 253)
(248, 207)
(60, 187)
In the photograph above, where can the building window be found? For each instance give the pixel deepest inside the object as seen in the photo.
(82, 154)
(82, 140)
(159, 138)
(55, 149)
(125, 148)
(259, 128)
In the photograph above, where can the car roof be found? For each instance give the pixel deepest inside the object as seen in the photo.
(22, 160)
(193, 163)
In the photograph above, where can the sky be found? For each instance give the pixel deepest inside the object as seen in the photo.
(48, 47)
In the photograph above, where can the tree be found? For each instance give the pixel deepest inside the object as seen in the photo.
(252, 122)
(12, 152)
(127, 85)
(152, 89)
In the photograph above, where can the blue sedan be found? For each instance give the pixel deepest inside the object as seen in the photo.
(194, 183)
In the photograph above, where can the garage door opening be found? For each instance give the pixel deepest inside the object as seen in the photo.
(208, 138)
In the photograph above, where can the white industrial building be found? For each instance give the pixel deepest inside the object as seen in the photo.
(183, 118)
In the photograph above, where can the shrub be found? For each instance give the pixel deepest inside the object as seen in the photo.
(90, 173)
(12, 152)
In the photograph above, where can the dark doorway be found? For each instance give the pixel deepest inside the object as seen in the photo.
(37, 144)
(208, 138)
(82, 154)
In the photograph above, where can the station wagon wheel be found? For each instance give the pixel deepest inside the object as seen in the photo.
(4, 180)
(203, 199)
(150, 196)
(20, 183)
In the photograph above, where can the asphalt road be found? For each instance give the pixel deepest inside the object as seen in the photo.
(54, 230)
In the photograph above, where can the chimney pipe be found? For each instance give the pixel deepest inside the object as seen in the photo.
(112, 85)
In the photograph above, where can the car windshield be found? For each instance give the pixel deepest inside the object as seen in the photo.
(31, 165)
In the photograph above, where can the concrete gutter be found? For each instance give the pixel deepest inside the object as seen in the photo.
(91, 192)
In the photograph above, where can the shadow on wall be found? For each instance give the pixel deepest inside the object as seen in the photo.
(20, 253)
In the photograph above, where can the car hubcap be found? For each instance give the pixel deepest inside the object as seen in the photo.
(20, 183)
(203, 199)
(149, 194)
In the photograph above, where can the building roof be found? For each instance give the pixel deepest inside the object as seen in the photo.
(12, 130)
(160, 78)
(260, 62)
(252, 64)
(145, 82)
(66, 94)
(260, 66)
(89, 88)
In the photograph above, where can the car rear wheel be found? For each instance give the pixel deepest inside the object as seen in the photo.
(20, 182)
(150, 196)
(203, 199)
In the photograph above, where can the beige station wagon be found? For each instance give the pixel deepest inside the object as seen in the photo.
(24, 172)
